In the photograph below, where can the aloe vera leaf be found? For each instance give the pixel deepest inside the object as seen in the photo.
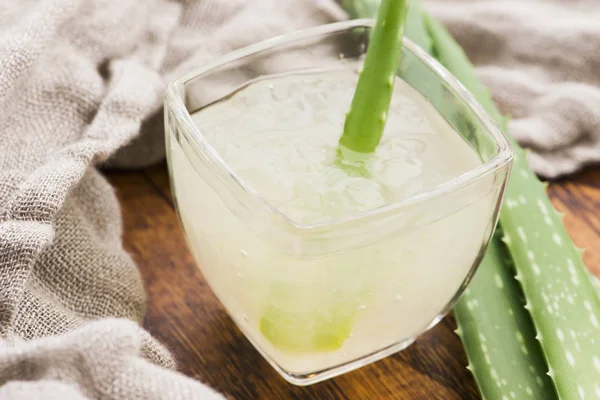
(522, 371)
(367, 116)
(513, 365)
(361, 8)
(560, 297)
(292, 325)
(498, 335)
(315, 309)
(286, 322)
(414, 29)
(492, 308)
(453, 57)
(484, 307)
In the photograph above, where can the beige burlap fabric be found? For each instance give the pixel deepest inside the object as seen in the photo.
(77, 80)
(541, 60)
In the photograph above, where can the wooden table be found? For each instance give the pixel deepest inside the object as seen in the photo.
(185, 315)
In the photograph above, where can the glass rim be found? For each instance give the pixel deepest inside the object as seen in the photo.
(174, 101)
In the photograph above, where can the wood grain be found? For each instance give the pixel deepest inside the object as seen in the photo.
(185, 315)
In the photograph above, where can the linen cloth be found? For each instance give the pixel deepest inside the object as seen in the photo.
(81, 85)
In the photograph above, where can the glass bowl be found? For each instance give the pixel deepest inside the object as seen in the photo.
(317, 300)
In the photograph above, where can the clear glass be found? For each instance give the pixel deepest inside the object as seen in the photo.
(402, 266)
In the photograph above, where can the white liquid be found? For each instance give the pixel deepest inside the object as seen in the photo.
(309, 313)
(281, 136)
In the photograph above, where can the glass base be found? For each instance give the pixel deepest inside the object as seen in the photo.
(315, 377)
(319, 376)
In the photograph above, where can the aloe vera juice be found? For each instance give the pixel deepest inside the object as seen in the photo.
(312, 305)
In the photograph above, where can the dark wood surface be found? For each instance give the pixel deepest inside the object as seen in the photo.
(185, 315)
